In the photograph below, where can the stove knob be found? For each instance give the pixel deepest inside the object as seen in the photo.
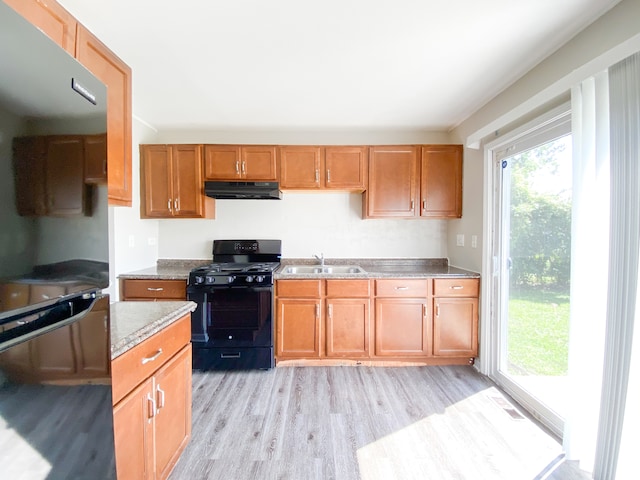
(231, 278)
(210, 279)
(248, 279)
(198, 279)
(260, 278)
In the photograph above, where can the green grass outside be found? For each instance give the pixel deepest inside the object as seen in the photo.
(538, 333)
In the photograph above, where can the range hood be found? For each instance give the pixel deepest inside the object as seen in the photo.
(243, 190)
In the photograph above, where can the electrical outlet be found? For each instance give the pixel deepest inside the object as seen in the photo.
(460, 240)
(474, 241)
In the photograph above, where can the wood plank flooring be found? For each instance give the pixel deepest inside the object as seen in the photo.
(360, 423)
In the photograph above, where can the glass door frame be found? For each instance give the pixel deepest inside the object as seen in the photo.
(552, 125)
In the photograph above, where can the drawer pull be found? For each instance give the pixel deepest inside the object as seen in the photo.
(437, 309)
(161, 399)
(230, 355)
(456, 287)
(151, 404)
(402, 288)
(158, 289)
(153, 357)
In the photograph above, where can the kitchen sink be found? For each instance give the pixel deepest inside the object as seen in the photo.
(319, 269)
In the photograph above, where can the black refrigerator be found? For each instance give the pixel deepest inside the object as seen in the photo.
(55, 350)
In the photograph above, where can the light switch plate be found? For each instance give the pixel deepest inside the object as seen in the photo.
(460, 240)
(474, 241)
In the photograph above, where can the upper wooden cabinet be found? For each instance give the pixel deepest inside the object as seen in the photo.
(59, 25)
(171, 182)
(51, 18)
(331, 167)
(116, 75)
(393, 174)
(300, 167)
(95, 158)
(441, 181)
(240, 162)
(410, 182)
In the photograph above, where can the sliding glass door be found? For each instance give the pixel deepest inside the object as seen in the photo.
(533, 258)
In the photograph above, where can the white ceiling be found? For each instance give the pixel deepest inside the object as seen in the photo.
(330, 64)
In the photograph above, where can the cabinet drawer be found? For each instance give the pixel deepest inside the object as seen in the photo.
(348, 288)
(154, 289)
(402, 288)
(456, 287)
(299, 288)
(139, 363)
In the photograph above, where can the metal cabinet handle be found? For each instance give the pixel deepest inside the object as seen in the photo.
(424, 309)
(317, 311)
(330, 312)
(437, 309)
(152, 357)
(169, 204)
(402, 288)
(317, 175)
(151, 405)
(159, 289)
(424, 204)
(176, 204)
(230, 355)
(161, 399)
(328, 175)
(456, 287)
(412, 204)
(237, 167)
(244, 167)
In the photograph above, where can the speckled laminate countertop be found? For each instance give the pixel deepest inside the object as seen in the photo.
(165, 270)
(374, 267)
(134, 322)
(381, 268)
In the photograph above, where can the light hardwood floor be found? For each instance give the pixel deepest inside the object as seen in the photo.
(368, 423)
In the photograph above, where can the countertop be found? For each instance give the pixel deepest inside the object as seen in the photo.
(134, 322)
(374, 267)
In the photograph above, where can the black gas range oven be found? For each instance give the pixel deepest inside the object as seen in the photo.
(232, 326)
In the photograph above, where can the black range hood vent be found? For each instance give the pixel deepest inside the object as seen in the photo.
(243, 190)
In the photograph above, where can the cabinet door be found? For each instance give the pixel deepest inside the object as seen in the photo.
(455, 327)
(345, 168)
(392, 182)
(29, 154)
(95, 158)
(259, 163)
(347, 327)
(441, 181)
(64, 173)
(116, 75)
(300, 167)
(298, 328)
(52, 354)
(222, 162)
(186, 172)
(173, 418)
(401, 327)
(156, 199)
(93, 342)
(58, 24)
(133, 430)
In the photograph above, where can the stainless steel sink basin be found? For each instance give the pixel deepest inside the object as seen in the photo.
(318, 269)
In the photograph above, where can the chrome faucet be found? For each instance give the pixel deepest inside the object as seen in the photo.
(320, 258)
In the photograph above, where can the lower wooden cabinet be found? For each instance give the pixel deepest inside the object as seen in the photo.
(152, 290)
(347, 318)
(415, 319)
(152, 419)
(455, 317)
(298, 314)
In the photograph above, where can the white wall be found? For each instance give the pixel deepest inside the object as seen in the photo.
(612, 37)
(307, 224)
(133, 242)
